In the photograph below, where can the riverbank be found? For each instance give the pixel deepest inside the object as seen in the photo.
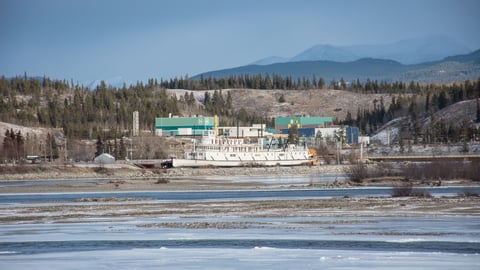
(126, 177)
(128, 171)
(192, 214)
(121, 178)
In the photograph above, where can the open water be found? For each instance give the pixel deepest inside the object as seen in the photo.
(381, 242)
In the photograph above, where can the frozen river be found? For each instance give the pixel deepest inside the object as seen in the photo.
(60, 231)
(217, 195)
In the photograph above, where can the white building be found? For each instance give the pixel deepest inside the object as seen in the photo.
(104, 159)
(328, 133)
(256, 130)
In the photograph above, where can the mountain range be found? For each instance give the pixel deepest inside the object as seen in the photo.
(425, 60)
(408, 51)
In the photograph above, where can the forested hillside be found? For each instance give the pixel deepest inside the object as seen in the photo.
(450, 69)
(80, 112)
(106, 112)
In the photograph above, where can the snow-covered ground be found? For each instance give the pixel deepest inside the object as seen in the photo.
(173, 239)
(349, 243)
(424, 150)
(343, 232)
(231, 258)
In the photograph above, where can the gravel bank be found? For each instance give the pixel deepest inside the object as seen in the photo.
(125, 171)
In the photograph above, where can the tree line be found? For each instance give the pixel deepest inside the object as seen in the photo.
(275, 81)
(106, 111)
(422, 106)
(15, 143)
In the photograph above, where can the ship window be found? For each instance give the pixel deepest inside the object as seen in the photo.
(281, 155)
(232, 155)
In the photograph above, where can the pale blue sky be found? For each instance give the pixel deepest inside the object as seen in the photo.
(87, 40)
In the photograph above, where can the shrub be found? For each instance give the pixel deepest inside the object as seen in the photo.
(437, 170)
(402, 191)
(357, 172)
(474, 170)
(468, 192)
(101, 170)
(162, 181)
(407, 190)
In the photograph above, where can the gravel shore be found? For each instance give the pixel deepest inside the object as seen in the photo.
(125, 177)
(126, 171)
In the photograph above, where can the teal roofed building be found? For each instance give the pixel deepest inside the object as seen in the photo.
(302, 122)
(183, 126)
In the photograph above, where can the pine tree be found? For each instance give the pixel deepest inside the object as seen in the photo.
(293, 133)
(19, 145)
(228, 105)
(122, 153)
(268, 82)
(465, 136)
(7, 146)
(348, 119)
(321, 83)
(99, 147)
(52, 147)
(478, 112)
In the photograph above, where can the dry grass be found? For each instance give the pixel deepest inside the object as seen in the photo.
(426, 172)
(407, 190)
(328, 207)
(320, 102)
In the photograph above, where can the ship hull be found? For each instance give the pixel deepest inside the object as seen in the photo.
(236, 163)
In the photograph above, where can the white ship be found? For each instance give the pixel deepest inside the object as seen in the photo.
(227, 152)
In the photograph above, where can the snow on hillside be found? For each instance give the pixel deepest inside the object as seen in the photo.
(30, 131)
(388, 133)
(456, 113)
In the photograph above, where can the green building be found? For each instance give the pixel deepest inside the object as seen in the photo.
(302, 122)
(183, 126)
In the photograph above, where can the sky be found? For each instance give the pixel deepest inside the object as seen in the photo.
(131, 40)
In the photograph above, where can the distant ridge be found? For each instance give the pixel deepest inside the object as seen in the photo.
(325, 52)
(454, 68)
(270, 60)
(408, 51)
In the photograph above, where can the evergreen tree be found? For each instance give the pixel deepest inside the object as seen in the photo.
(268, 82)
(321, 83)
(19, 145)
(122, 153)
(228, 105)
(99, 147)
(478, 112)
(7, 146)
(465, 136)
(348, 119)
(51, 147)
(442, 100)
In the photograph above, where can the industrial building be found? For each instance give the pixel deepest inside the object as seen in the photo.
(194, 126)
(306, 126)
(328, 134)
(301, 122)
(184, 126)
